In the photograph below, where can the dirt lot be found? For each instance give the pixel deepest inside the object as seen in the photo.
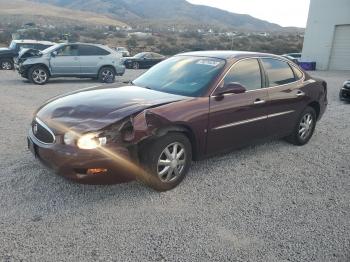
(269, 202)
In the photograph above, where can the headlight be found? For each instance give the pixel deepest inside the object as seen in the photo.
(69, 138)
(91, 141)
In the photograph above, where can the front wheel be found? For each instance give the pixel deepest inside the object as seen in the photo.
(304, 127)
(167, 161)
(38, 75)
(106, 75)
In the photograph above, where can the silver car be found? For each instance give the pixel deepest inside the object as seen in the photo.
(70, 60)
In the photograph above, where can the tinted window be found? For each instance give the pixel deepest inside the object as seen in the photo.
(278, 72)
(140, 55)
(182, 75)
(68, 50)
(89, 50)
(157, 56)
(247, 73)
(42, 47)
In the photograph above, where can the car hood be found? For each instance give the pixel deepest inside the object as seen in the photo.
(95, 108)
(6, 51)
(29, 52)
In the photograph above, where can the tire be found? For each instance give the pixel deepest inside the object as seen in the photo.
(6, 64)
(38, 75)
(166, 174)
(106, 74)
(135, 65)
(304, 128)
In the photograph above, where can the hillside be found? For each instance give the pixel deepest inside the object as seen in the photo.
(22, 10)
(167, 12)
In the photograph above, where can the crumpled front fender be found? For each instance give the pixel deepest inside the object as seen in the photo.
(146, 125)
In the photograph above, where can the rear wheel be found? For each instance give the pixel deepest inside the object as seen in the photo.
(304, 127)
(6, 64)
(106, 74)
(167, 161)
(38, 75)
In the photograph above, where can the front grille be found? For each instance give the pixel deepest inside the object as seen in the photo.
(42, 132)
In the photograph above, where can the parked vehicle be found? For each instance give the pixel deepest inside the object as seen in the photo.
(8, 54)
(294, 55)
(188, 107)
(143, 60)
(70, 60)
(345, 91)
(294, 60)
(123, 51)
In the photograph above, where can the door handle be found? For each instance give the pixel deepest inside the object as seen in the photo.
(259, 101)
(300, 93)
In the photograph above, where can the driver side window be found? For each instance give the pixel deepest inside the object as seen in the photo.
(247, 73)
(68, 50)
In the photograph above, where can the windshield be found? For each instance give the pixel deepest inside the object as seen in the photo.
(51, 48)
(182, 75)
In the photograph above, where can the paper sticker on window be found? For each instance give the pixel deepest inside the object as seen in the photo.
(208, 63)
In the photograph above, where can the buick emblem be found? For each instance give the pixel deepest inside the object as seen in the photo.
(35, 129)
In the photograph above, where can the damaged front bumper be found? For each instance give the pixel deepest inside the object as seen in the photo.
(111, 165)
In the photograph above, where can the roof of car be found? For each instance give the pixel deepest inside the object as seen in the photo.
(28, 41)
(228, 54)
(81, 43)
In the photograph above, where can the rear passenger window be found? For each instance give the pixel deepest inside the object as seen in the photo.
(89, 50)
(278, 72)
(247, 73)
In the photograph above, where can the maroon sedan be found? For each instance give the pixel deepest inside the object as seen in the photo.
(187, 107)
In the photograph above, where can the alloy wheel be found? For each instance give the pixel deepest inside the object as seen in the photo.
(39, 76)
(6, 65)
(171, 162)
(107, 76)
(306, 126)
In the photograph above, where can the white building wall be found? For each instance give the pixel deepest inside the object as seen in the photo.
(324, 15)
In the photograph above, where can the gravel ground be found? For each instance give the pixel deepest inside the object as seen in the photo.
(269, 202)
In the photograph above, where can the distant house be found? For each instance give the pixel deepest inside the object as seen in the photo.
(141, 35)
(127, 28)
(265, 34)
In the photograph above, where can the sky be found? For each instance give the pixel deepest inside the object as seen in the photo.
(282, 12)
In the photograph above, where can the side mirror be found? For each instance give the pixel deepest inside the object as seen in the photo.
(231, 88)
(54, 53)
